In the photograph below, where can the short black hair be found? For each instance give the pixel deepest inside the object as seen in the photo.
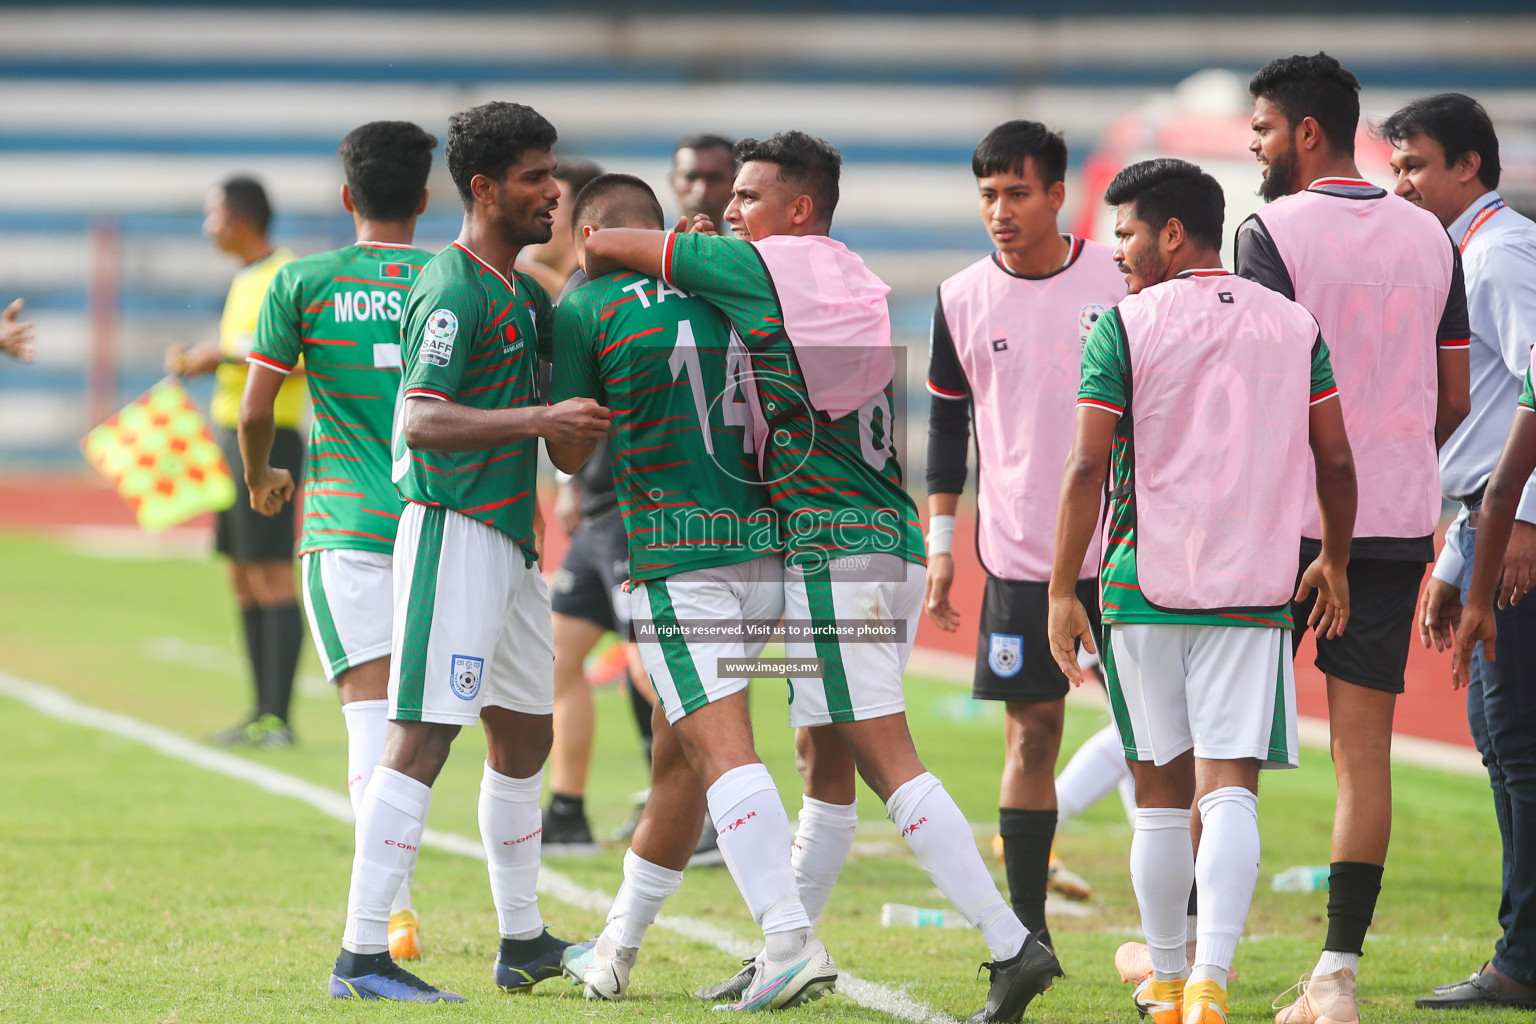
(616, 200)
(701, 140)
(387, 163)
(1459, 123)
(810, 163)
(1166, 189)
(245, 197)
(1007, 146)
(1318, 87)
(490, 138)
(576, 172)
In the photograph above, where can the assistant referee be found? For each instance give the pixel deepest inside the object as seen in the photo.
(260, 550)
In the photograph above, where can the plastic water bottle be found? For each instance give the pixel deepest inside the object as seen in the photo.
(896, 915)
(1300, 879)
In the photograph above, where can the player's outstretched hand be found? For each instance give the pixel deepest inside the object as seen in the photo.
(941, 576)
(1476, 625)
(1066, 624)
(16, 335)
(270, 491)
(1331, 612)
(1439, 614)
(575, 421)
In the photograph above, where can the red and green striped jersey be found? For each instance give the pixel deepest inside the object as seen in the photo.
(1105, 385)
(668, 365)
(473, 336)
(836, 483)
(340, 311)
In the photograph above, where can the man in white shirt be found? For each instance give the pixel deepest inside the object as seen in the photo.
(1446, 156)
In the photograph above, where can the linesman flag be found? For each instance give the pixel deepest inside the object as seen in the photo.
(158, 453)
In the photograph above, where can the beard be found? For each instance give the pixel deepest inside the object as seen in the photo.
(1148, 267)
(1281, 180)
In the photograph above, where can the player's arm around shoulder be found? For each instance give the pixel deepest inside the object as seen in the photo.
(575, 374)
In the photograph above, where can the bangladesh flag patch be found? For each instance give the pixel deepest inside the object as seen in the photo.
(392, 272)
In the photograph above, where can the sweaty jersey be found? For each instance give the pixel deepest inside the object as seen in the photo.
(836, 484)
(340, 312)
(1106, 384)
(472, 335)
(237, 332)
(667, 365)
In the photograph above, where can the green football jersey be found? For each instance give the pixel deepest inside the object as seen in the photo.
(1106, 384)
(1527, 394)
(472, 336)
(836, 484)
(668, 365)
(340, 312)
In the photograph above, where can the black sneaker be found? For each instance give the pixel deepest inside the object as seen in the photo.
(522, 964)
(732, 987)
(1016, 981)
(707, 853)
(567, 835)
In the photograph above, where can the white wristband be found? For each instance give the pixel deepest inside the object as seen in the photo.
(941, 535)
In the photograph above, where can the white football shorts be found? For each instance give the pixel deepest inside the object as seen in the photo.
(471, 622)
(668, 614)
(865, 610)
(348, 596)
(1226, 692)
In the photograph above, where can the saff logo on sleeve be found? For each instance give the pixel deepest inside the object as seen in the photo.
(1086, 318)
(438, 337)
(465, 679)
(1005, 655)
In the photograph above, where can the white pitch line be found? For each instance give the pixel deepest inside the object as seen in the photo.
(333, 804)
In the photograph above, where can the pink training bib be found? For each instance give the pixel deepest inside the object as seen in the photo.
(1375, 273)
(836, 317)
(1220, 386)
(1020, 343)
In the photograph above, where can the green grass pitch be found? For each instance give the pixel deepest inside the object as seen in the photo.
(138, 888)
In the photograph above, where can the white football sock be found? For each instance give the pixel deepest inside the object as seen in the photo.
(823, 838)
(941, 837)
(1226, 871)
(367, 726)
(1162, 870)
(510, 827)
(754, 840)
(1096, 768)
(646, 887)
(1330, 962)
(389, 824)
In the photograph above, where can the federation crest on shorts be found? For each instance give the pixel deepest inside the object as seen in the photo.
(466, 676)
(1086, 318)
(1005, 656)
(437, 339)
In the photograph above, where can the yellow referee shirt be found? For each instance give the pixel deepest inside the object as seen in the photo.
(236, 329)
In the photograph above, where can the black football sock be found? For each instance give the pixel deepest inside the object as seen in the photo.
(1352, 891)
(255, 652)
(562, 806)
(1027, 837)
(520, 951)
(357, 965)
(283, 634)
